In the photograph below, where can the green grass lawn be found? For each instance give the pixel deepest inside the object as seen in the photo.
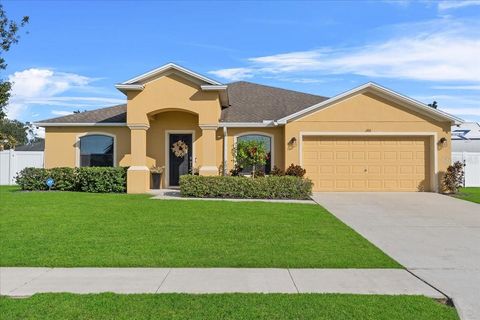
(470, 194)
(66, 229)
(225, 306)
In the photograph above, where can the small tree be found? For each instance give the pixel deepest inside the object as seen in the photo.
(12, 133)
(453, 179)
(8, 36)
(250, 153)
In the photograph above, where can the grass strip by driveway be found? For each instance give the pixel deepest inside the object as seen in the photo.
(66, 229)
(470, 194)
(224, 306)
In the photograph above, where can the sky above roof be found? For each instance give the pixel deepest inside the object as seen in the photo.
(74, 52)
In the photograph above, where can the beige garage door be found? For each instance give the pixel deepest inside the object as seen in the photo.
(367, 164)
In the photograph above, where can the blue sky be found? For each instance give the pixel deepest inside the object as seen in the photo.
(75, 52)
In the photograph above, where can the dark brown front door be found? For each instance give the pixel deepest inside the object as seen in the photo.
(179, 165)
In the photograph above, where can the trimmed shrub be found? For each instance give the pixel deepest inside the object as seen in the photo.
(87, 179)
(295, 170)
(276, 171)
(269, 187)
(32, 179)
(236, 171)
(453, 178)
(101, 179)
(64, 178)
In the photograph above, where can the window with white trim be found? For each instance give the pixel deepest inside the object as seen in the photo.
(267, 141)
(96, 150)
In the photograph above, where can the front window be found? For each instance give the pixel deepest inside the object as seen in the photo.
(267, 141)
(96, 150)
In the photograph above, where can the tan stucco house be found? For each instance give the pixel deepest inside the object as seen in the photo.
(367, 139)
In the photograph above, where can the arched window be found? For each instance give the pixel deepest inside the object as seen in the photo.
(267, 140)
(96, 150)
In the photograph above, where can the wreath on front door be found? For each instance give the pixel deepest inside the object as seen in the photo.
(180, 149)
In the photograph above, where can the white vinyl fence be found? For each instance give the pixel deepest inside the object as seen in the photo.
(12, 162)
(471, 160)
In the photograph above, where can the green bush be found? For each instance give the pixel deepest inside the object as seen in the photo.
(101, 179)
(453, 178)
(269, 187)
(295, 170)
(32, 179)
(64, 178)
(276, 171)
(86, 179)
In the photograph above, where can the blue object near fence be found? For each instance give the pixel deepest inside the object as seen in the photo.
(50, 182)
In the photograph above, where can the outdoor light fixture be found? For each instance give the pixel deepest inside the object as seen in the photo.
(443, 141)
(292, 142)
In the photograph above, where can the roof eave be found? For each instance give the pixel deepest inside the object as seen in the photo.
(263, 124)
(129, 87)
(80, 124)
(222, 92)
(166, 67)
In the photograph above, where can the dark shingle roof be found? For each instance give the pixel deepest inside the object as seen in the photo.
(115, 114)
(251, 102)
(36, 146)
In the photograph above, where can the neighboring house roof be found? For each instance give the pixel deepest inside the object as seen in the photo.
(36, 146)
(104, 116)
(251, 102)
(466, 131)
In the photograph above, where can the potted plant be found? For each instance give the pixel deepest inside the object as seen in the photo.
(156, 173)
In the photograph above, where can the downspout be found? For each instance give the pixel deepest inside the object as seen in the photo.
(225, 146)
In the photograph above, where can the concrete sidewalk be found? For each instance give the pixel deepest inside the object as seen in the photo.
(174, 194)
(28, 281)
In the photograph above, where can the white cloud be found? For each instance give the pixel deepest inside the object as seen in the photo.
(460, 87)
(455, 4)
(443, 51)
(463, 111)
(233, 74)
(61, 112)
(43, 82)
(44, 87)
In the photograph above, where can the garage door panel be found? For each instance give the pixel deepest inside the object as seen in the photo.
(343, 184)
(405, 155)
(327, 169)
(390, 184)
(375, 169)
(367, 164)
(326, 184)
(325, 155)
(341, 155)
(375, 184)
(343, 170)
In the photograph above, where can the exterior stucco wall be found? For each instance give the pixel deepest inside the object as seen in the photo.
(177, 121)
(172, 92)
(61, 144)
(368, 113)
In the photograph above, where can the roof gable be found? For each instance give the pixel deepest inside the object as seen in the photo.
(166, 69)
(380, 91)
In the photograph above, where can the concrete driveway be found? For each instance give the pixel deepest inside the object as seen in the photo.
(434, 236)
